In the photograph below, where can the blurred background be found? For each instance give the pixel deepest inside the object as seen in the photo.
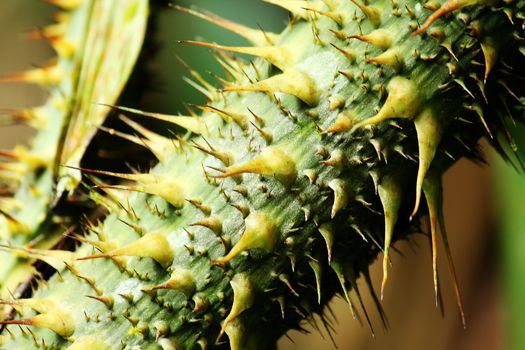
(488, 259)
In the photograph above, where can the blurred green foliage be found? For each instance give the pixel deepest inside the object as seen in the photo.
(510, 193)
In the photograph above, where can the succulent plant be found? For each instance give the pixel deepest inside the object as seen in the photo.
(303, 166)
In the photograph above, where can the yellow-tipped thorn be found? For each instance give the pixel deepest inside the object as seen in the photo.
(180, 279)
(429, 131)
(54, 258)
(243, 298)
(259, 232)
(65, 4)
(238, 118)
(403, 101)
(56, 320)
(347, 53)
(272, 161)
(153, 245)
(50, 31)
(490, 52)
(343, 122)
(158, 185)
(62, 46)
(336, 17)
(254, 36)
(389, 192)
(392, 57)
(341, 194)
(293, 82)
(278, 56)
(51, 75)
(373, 13)
(194, 124)
(380, 38)
(327, 231)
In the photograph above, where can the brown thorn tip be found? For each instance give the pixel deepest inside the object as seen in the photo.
(447, 7)
(97, 256)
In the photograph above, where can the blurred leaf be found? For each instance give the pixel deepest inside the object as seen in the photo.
(510, 193)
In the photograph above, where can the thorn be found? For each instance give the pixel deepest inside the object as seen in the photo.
(55, 319)
(271, 161)
(432, 188)
(373, 13)
(160, 146)
(488, 46)
(377, 303)
(447, 7)
(403, 101)
(351, 276)
(277, 56)
(55, 258)
(243, 298)
(62, 46)
(389, 192)
(343, 122)
(461, 83)
(206, 87)
(350, 55)
(259, 232)
(429, 131)
(337, 159)
(380, 38)
(213, 223)
(202, 207)
(245, 211)
(341, 194)
(327, 231)
(316, 268)
(35, 117)
(51, 75)
(392, 57)
(66, 4)
(479, 111)
(181, 280)
(152, 245)
(223, 157)
(267, 136)
(104, 299)
(336, 17)
(53, 30)
(338, 269)
(238, 118)
(293, 82)
(254, 36)
(258, 119)
(283, 278)
(147, 183)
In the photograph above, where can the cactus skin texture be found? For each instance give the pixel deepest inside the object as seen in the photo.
(275, 198)
(65, 124)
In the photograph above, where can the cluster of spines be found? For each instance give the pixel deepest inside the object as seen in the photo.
(284, 216)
